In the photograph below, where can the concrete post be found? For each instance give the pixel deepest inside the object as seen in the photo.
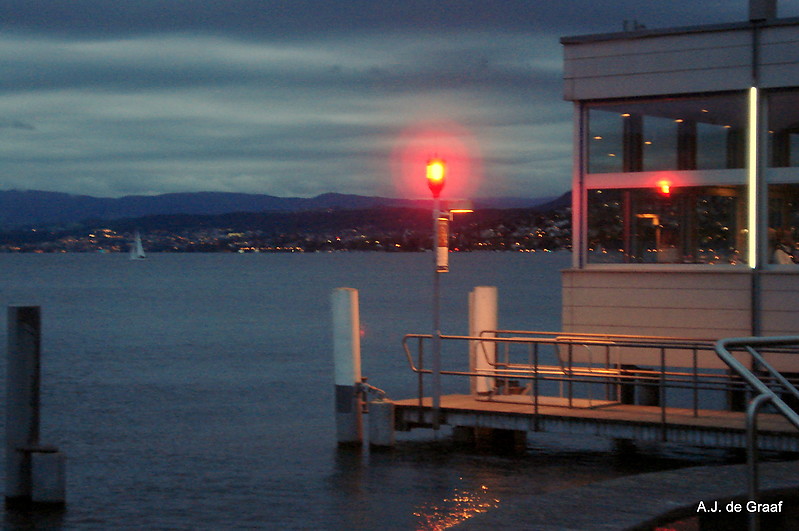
(482, 354)
(48, 475)
(347, 365)
(381, 423)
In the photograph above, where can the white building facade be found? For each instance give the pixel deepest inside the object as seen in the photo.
(686, 180)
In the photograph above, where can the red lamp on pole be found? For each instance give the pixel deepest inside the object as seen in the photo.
(436, 174)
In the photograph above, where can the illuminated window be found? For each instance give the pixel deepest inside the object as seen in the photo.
(783, 226)
(698, 224)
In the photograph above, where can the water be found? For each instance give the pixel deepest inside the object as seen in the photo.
(196, 392)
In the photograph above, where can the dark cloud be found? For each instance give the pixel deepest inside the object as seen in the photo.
(307, 18)
(16, 124)
(293, 97)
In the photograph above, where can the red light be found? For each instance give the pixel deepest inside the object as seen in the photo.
(436, 171)
(664, 187)
(449, 142)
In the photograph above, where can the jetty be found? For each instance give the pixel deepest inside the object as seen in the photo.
(593, 388)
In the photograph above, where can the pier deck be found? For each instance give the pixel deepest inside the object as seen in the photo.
(712, 428)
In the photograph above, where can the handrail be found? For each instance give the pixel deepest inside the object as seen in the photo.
(616, 338)
(657, 373)
(765, 394)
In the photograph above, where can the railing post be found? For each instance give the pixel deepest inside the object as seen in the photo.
(662, 391)
(569, 379)
(421, 381)
(347, 365)
(752, 411)
(696, 382)
(535, 387)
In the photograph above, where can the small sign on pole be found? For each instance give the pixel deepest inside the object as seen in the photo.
(442, 245)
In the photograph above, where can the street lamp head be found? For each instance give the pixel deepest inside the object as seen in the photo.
(436, 172)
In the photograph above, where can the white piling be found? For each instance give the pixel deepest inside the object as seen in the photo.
(381, 423)
(34, 472)
(482, 354)
(347, 365)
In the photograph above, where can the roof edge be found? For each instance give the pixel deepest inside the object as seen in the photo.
(649, 33)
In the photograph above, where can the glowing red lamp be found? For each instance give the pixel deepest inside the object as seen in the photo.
(664, 187)
(436, 172)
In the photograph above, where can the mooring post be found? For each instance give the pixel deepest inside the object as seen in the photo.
(381, 423)
(22, 397)
(482, 354)
(347, 366)
(34, 473)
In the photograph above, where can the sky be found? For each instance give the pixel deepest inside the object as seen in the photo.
(296, 98)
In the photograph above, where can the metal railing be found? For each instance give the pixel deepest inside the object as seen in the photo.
(673, 370)
(767, 384)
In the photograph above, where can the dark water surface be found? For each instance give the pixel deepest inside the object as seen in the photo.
(195, 391)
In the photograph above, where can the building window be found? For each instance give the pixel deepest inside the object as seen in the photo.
(667, 134)
(783, 223)
(783, 128)
(699, 224)
(605, 153)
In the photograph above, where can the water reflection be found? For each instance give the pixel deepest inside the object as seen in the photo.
(461, 505)
(23, 519)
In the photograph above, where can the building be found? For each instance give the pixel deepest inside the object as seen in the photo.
(686, 180)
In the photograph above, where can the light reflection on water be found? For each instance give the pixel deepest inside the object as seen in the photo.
(461, 505)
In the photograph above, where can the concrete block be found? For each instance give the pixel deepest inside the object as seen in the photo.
(48, 477)
(381, 423)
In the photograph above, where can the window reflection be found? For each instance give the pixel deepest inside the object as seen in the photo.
(660, 144)
(667, 134)
(783, 128)
(605, 143)
(783, 228)
(701, 224)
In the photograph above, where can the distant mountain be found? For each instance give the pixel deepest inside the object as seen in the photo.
(30, 207)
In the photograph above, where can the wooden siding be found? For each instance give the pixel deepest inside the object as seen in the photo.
(701, 305)
(669, 64)
(698, 61)
(780, 303)
(779, 57)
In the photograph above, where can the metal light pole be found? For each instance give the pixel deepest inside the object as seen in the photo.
(436, 172)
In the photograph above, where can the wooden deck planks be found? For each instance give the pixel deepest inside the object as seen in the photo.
(600, 411)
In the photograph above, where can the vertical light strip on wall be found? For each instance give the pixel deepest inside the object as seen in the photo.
(752, 167)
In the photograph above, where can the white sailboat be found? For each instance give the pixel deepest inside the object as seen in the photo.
(136, 249)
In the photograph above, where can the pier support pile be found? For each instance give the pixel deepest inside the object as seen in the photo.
(34, 472)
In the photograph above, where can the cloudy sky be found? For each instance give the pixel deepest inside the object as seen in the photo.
(300, 97)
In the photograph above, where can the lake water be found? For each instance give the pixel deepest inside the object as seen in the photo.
(195, 391)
